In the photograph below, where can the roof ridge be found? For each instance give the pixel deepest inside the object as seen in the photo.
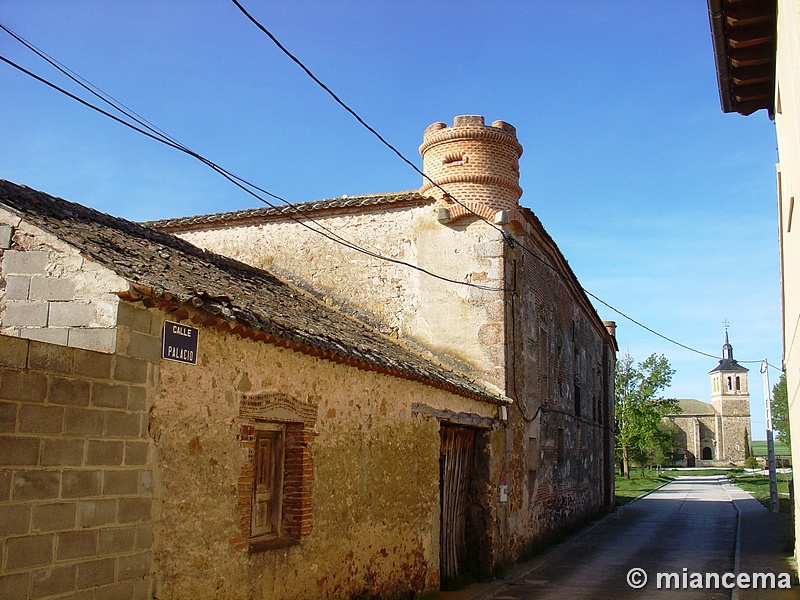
(344, 201)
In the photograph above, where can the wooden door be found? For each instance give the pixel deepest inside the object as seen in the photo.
(456, 456)
(267, 483)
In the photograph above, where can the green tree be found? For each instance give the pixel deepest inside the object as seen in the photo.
(638, 411)
(748, 452)
(780, 411)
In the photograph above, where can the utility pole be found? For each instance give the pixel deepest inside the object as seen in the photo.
(773, 478)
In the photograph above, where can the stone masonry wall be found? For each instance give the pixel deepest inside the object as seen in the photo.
(76, 467)
(563, 418)
(371, 527)
(461, 325)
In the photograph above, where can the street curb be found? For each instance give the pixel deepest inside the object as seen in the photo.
(655, 489)
(522, 570)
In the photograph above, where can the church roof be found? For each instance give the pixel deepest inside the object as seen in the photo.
(164, 270)
(373, 201)
(691, 407)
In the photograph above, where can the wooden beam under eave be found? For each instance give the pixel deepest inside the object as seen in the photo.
(754, 55)
(739, 40)
(749, 15)
(751, 76)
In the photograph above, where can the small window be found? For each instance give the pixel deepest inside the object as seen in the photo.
(454, 158)
(738, 384)
(730, 384)
(267, 483)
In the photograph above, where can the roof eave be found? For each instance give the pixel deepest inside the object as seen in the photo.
(744, 97)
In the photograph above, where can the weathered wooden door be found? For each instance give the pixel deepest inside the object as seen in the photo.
(267, 483)
(456, 455)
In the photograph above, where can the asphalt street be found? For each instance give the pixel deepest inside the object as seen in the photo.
(691, 526)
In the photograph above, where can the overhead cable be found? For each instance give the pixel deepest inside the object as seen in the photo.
(145, 128)
(358, 118)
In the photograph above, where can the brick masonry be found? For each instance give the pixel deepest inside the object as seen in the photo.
(76, 470)
(476, 164)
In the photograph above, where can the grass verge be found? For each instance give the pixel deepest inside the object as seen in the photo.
(758, 485)
(640, 482)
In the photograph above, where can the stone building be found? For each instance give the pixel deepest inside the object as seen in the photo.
(292, 452)
(716, 433)
(521, 323)
(290, 417)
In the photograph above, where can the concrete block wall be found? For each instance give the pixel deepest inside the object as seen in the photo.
(49, 297)
(76, 467)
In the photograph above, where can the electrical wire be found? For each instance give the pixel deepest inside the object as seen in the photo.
(156, 134)
(506, 237)
(358, 118)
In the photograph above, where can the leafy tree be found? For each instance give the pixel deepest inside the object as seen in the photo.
(639, 412)
(780, 411)
(665, 442)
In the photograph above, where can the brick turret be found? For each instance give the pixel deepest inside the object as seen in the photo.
(476, 164)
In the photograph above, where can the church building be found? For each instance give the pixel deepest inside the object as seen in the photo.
(716, 433)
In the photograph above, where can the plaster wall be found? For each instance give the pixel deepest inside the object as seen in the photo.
(375, 522)
(461, 325)
(787, 126)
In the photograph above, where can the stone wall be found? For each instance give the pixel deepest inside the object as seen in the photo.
(530, 335)
(461, 325)
(76, 467)
(561, 375)
(369, 476)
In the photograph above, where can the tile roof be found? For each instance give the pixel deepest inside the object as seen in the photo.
(692, 407)
(163, 268)
(301, 209)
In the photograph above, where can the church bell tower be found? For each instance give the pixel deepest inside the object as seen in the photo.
(730, 397)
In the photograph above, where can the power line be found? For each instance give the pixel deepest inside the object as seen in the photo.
(156, 134)
(358, 118)
(160, 136)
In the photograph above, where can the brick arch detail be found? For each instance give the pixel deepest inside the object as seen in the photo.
(300, 420)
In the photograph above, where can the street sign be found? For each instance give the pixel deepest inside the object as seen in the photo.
(180, 343)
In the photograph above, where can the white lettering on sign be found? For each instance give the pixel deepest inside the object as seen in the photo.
(180, 354)
(180, 343)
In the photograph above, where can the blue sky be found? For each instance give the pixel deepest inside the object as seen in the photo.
(664, 206)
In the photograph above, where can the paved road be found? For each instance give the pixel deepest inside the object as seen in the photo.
(689, 524)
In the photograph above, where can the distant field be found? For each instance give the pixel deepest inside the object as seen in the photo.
(781, 450)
